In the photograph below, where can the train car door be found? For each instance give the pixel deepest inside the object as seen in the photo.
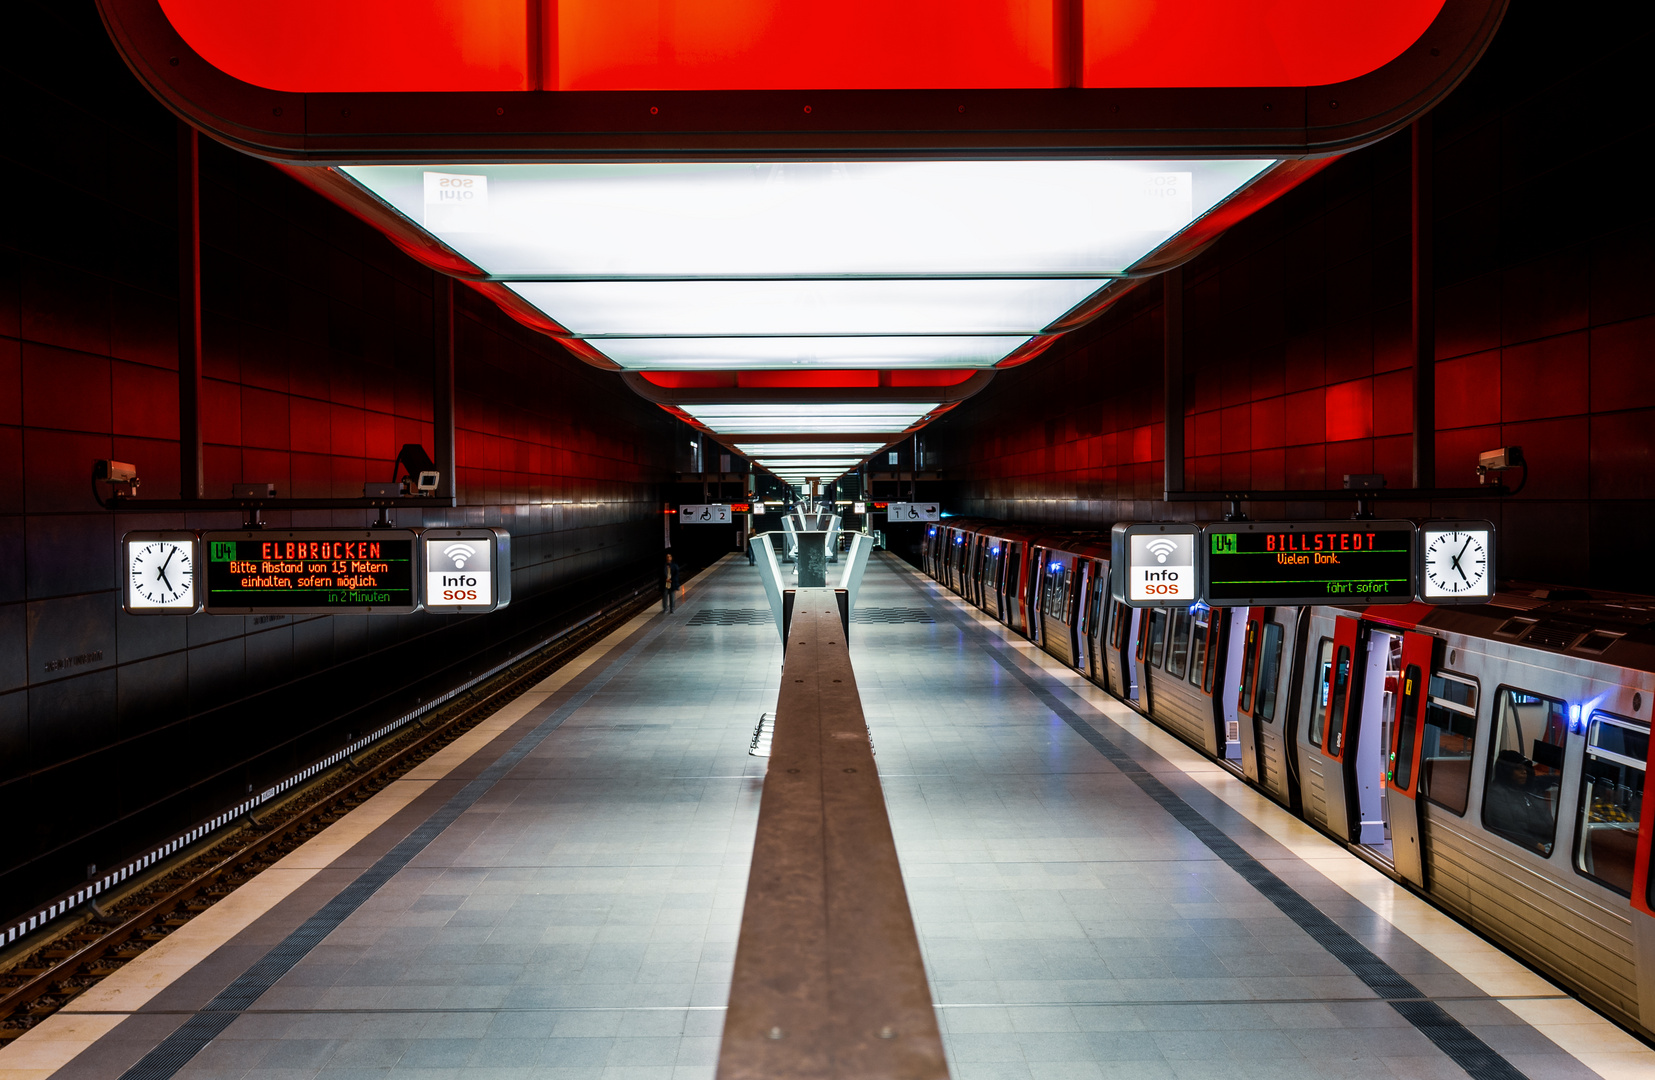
(1033, 589)
(1079, 626)
(1016, 556)
(1252, 643)
(1096, 619)
(974, 570)
(1127, 649)
(1403, 763)
(1353, 777)
(1234, 641)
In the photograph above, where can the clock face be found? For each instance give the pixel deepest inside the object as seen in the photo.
(160, 574)
(1457, 563)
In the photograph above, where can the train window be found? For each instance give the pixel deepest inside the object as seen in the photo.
(1318, 715)
(1449, 736)
(1611, 800)
(1269, 672)
(1525, 764)
(1249, 664)
(1178, 643)
(1157, 634)
(1407, 729)
(1199, 627)
(1336, 699)
(1057, 591)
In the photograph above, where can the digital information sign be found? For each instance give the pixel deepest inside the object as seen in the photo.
(310, 571)
(1156, 563)
(466, 570)
(1271, 564)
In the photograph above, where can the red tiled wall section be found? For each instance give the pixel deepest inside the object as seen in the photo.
(319, 357)
(1297, 342)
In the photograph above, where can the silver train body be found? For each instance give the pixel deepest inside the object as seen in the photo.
(1491, 757)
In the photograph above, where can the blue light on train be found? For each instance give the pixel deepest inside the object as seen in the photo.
(959, 539)
(1580, 716)
(994, 551)
(1199, 608)
(931, 532)
(1055, 567)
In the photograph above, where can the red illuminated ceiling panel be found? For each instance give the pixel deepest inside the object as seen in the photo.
(310, 46)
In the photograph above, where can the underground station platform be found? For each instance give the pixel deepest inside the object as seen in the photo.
(1007, 873)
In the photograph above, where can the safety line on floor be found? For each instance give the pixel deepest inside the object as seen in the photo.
(192, 1036)
(1459, 1043)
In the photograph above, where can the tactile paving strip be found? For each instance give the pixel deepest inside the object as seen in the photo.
(891, 615)
(731, 617)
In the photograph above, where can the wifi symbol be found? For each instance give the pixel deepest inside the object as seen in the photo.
(1161, 547)
(461, 552)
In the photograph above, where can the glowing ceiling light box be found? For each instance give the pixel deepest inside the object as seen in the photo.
(807, 219)
(681, 354)
(777, 307)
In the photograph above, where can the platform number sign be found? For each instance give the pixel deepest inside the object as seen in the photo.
(912, 511)
(161, 573)
(466, 570)
(704, 514)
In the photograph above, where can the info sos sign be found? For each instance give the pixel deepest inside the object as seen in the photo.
(466, 569)
(1154, 564)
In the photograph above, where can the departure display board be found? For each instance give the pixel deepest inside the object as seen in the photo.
(310, 571)
(1269, 564)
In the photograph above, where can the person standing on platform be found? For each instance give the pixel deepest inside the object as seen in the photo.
(669, 586)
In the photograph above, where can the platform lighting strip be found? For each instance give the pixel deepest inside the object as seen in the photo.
(785, 449)
(68, 901)
(904, 264)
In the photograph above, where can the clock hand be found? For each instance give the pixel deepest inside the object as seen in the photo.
(168, 560)
(161, 572)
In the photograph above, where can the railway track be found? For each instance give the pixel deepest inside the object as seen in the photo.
(43, 977)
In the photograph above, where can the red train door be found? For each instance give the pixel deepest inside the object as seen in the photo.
(1246, 699)
(1343, 689)
(1402, 763)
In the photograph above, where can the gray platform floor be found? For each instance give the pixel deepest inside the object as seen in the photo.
(579, 921)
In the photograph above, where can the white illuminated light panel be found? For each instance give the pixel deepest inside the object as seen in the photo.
(815, 264)
(692, 353)
(873, 250)
(785, 449)
(782, 307)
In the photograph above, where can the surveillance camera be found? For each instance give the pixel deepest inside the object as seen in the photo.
(1506, 457)
(426, 482)
(115, 472)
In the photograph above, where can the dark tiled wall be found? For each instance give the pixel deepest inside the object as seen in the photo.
(1297, 334)
(319, 353)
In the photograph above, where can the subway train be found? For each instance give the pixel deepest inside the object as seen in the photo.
(1491, 757)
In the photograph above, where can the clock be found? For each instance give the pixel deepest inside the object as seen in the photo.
(1456, 562)
(160, 573)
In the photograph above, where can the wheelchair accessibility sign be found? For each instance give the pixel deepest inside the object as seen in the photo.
(704, 514)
